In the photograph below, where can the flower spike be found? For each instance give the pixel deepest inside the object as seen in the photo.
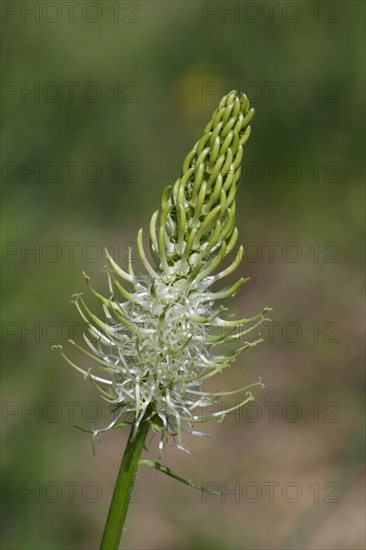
(155, 345)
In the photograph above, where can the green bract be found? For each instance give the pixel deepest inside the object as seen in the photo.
(162, 332)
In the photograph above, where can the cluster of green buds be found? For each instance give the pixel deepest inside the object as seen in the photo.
(162, 332)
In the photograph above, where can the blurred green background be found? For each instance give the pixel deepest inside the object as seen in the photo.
(121, 91)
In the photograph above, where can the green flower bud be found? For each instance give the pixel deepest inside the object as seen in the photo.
(196, 226)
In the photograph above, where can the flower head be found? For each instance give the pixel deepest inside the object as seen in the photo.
(162, 332)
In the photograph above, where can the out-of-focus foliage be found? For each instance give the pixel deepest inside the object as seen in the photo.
(160, 78)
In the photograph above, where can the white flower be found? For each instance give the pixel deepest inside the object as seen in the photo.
(157, 344)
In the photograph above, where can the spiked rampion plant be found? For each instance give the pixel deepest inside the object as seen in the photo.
(162, 332)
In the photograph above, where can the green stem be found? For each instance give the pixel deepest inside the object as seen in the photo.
(123, 488)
